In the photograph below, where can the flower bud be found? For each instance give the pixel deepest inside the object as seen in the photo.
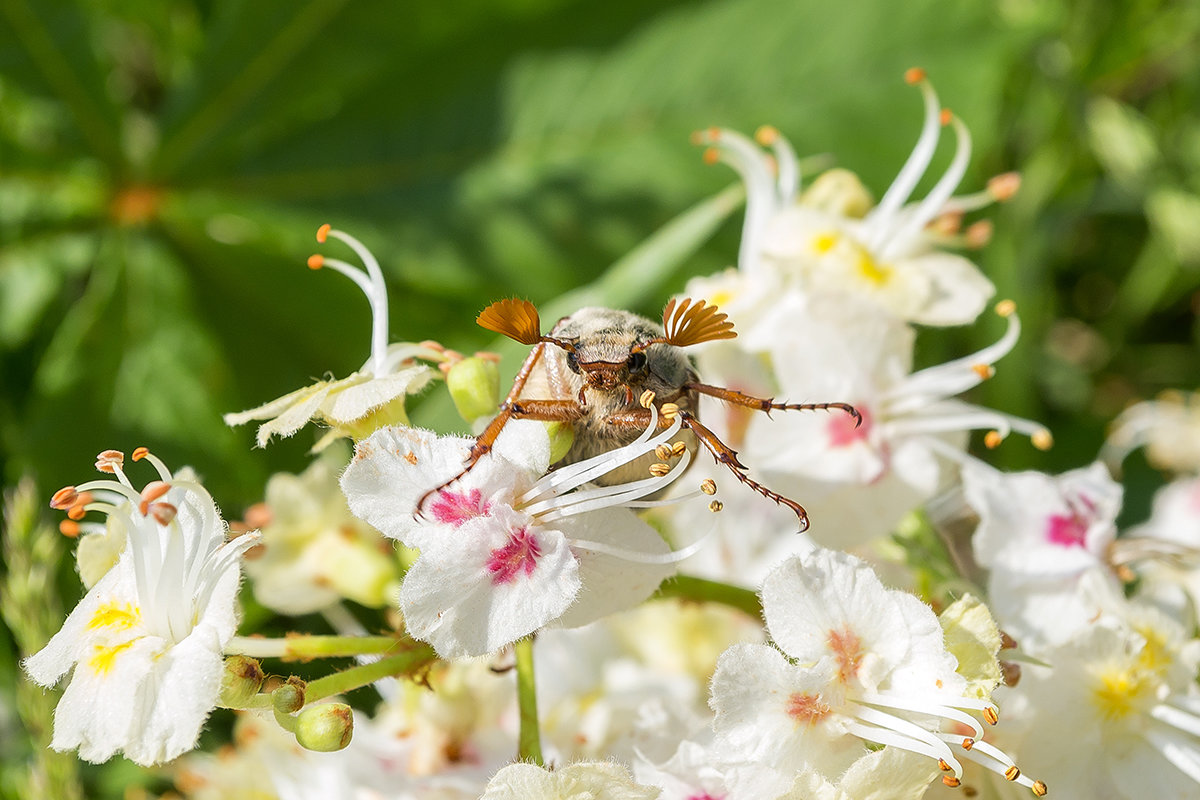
(325, 727)
(360, 572)
(474, 385)
(240, 682)
(838, 191)
(561, 437)
(289, 697)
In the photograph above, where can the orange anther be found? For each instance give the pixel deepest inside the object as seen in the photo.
(1012, 773)
(951, 781)
(711, 155)
(945, 116)
(316, 261)
(69, 528)
(487, 355)
(163, 513)
(968, 743)
(979, 233)
(153, 491)
(140, 453)
(767, 135)
(258, 516)
(77, 512)
(64, 497)
(1003, 187)
(984, 371)
(1006, 308)
(323, 232)
(697, 138)
(1042, 440)
(943, 766)
(1039, 788)
(990, 715)
(914, 75)
(109, 460)
(992, 439)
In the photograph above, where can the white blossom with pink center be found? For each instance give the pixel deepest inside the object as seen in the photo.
(1045, 540)
(510, 547)
(857, 665)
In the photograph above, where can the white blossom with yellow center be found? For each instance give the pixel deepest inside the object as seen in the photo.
(145, 643)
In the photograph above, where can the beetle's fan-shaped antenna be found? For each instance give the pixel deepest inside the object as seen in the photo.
(516, 319)
(686, 323)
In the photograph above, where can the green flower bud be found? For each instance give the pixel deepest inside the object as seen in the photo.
(561, 437)
(240, 682)
(474, 385)
(289, 697)
(361, 572)
(325, 728)
(972, 637)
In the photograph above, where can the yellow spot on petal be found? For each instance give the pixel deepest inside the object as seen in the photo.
(1117, 692)
(824, 242)
(875, 273)
(721, 297)
(104, 658)
(807, 709)
(116, 616)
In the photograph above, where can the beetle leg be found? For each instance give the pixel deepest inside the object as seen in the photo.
(723, 453)
(769, 405)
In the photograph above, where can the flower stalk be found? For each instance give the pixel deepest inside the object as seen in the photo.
(305, 648)
(529, 740)
(702, 590)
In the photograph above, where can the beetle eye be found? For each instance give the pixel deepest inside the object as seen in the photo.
(572, 361)
(636, 362)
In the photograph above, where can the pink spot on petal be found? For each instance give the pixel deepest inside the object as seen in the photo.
(519, 554)
(455, 508)
(705, 796)
(1071, 530)
(842, 432)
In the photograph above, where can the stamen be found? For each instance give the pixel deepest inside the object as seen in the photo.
(647, 399)
(110, 460)
(373, 285)
(659, 469)
(951, 781)
(708, 486)
(984, 371)
(787, 180)
(943, 766)
(163, 513)
(323, 233)
(151, 492)
(881, 218)
(715, 506)
(979, 234)
(678, 449)
(762, 200)
(910, 228)
(69, 528)
(670, 411)
(1039, 788)
(1003, 187)
(663, 451)
(64, 498)
(1012, 773)
(316, 261)
(991, 715)
(993, 439)
(139, 453)
(1043, 439)
(638, 557)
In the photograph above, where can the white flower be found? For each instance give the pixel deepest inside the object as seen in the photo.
(1165, 550)
(146, 641)
(887, 254)
(858, 481)
(1045, 540)
(1169, 429)
(367, 399)
(860, 664)
(1117, 714)
(594, 780)
(315, 552)
(507, 548)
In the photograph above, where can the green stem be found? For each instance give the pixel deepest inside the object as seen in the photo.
(529, 741)
(700, 590)
(301, 648)
(414, 658)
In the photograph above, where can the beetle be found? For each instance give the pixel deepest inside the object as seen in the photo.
(592, 372)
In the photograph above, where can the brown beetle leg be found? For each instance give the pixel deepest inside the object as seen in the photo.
(511, 408)
(769, 405)
(723, 453)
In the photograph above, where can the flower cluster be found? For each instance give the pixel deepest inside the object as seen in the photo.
(558, 591)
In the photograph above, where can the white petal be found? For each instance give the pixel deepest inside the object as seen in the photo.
(960, 292)
(354, 402)
(452, 599)
(612, 584)
(274, 408)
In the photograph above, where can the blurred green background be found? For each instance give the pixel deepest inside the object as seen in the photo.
(164, 165)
